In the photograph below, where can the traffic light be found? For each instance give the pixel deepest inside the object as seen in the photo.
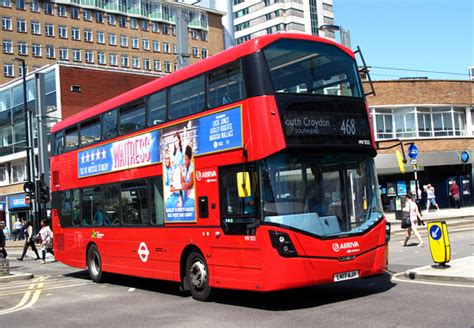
(29, 188)
(43, 191)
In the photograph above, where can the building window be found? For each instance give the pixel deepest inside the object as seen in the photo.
(36, 50)
(123, 21)
(50, 52)
(101, 58)
(166, 47)
(7, 46)
(63, 54)
(48, 8)
(86, 14)
(146, 64)
(100, 37)
(203, 53)
(3, 173)
(111, 19)
(133, 23)
(175, 48)
(155, 27)
(21, 25)
(195, 52)
(36, 28)
(62, 11)
(21, 4)
(164, 29)
(146, 44)
(89, 54)
(6, 23)
(112, 39)
(124, 61)
(157, 65)
(135, 62)
(99, 17)
(156, 46)
(194, 34)
(22, 48)
(144, 25)
(124, 41)
(384, 123)
(5, 3)
(18, 172)
(134, 43)
(76, 55)
(74, 13)
(8, 70)
(113, 60)
(167, 66)
(175, 66)
(88, 36)
(49, 30)
(63, 32)
(203, 35)
(20, 70)
(75, 33)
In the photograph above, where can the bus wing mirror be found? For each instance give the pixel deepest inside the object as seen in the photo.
(243, 184)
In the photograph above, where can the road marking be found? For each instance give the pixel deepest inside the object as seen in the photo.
(395, 278)
(34, 291)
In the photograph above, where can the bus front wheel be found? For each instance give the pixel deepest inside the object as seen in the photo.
(94, 264)
(197, 275)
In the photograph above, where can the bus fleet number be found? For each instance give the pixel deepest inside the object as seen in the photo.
(348, 126)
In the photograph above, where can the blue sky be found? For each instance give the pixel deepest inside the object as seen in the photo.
(428, 35)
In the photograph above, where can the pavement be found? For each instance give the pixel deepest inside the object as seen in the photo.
(457, 270)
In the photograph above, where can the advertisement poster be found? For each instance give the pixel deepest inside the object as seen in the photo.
(179, 144)
(401, 188)
(391, 191)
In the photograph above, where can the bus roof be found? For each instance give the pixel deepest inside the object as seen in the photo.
(185, 73)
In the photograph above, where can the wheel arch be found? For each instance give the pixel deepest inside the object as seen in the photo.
(182, 263)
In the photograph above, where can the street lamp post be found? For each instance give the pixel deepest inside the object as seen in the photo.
(28, 135)
(345, 36)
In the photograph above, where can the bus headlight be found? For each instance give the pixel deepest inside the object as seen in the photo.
(282, 243)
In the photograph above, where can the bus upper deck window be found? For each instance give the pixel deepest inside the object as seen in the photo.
(132, 117)
(109, 125)
(225, 85)
(59, 142)
(187, 98)
(90, 132)
(72, 139)
(156, 106)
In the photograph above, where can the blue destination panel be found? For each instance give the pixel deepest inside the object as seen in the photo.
(137, 151)
(220, 131)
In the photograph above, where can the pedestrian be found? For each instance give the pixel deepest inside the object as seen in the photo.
(455, 194)
(418, 204)
(430, 197)
(29, 241)
(2, 241)
(46, 236)
(17, 228)
(412, 209)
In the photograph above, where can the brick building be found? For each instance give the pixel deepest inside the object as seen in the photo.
(436, 115)
(134, 34)
(68, 89)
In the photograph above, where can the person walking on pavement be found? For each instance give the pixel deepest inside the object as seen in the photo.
(29, 241)
(430, 197)
(46, 236)
(455, 194)
(17, 229)
(2, 241)
(412, 209)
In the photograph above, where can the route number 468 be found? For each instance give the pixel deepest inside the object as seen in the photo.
(348, 126)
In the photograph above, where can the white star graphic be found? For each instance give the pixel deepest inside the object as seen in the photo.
(87, 157)
(104, 153)
(82, 159)
(97, 154)
(92, 156)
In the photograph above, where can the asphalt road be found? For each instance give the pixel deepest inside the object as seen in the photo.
(60, 296)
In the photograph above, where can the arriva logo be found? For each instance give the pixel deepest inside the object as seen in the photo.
(339, 247)
(211, 174)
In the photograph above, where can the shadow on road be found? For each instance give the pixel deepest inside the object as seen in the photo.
(273, 301)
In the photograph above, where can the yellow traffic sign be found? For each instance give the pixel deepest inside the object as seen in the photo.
(439, 241)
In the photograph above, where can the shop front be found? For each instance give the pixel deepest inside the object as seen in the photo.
(18, 208)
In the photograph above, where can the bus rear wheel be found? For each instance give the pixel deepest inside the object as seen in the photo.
(197, 275)
(94, 264)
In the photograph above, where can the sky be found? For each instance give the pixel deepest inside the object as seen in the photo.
(425, 35)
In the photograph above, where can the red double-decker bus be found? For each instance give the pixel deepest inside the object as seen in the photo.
(250, 170)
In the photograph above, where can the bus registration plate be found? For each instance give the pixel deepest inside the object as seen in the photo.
(346, 275)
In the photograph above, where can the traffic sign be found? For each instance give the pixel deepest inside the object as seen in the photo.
(413, 151)
(413, 161)
(439, 242)
(465, 157)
